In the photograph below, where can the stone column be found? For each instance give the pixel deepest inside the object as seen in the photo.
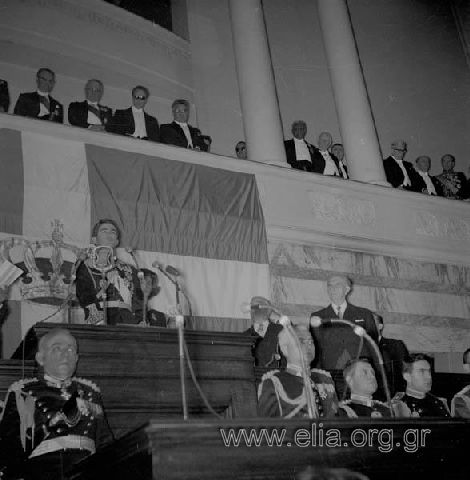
(260, 109)
(352, 102)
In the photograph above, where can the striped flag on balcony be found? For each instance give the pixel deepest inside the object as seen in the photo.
(206, 222)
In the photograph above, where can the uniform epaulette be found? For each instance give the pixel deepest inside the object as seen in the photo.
(89, 383)
(319, 370)
(20, 384)
(269, 375)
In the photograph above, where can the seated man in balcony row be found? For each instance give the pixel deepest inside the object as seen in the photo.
(40, 104)
(4, 96)
(90, 113)
(417, 400)
(423, 182)
(241, 151)
(359, 376)
(282, 393)
(460, 405)
(180, 132)
(454, 184)
(135, 121)
(53, 421)
(324, 161)
(399, 172)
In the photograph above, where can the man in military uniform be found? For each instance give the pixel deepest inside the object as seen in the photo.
(106, 287)
(284, 394)
(360, 379)
(265, 348)
(53, 421)
(460, 405)
(417, 401)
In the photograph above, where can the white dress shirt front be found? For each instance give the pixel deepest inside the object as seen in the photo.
(330, 165)
(187, 133)
(139, 121)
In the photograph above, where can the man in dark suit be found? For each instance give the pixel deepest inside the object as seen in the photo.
(299, 152)
(324, 161)
(180, 133)
(4, 96)
(337, 343)
(337, 150)
(393, 353)
(41, 104)
(90, 113)
(400, 174)
(422, 181)
(134, 121)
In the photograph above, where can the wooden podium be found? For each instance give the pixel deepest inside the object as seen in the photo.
(382, 449)
(137, 370)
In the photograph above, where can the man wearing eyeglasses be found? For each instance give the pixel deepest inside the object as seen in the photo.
(40, 104)
(180, 132)
(135, 121)
(90, 113)
(399, 172)
(53, 421)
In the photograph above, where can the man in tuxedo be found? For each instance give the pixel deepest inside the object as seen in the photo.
(40, 104)
(299, 152)
(400, 174)
(337, 150)
(324, 161)
(393, 353)
(90, 113)
(4, 96)
(134, 121)
(338, 343)
(180, 132)
(423, 182)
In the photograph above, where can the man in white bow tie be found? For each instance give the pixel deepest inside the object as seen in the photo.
(423, 182)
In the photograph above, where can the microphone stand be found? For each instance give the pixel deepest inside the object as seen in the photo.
(180, 327)
(143, 286)
(361, 332)
(311, 407)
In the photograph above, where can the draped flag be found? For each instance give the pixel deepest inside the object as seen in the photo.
(206, 222)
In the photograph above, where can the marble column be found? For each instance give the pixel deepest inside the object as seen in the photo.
(260, 109)
(352, 102)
